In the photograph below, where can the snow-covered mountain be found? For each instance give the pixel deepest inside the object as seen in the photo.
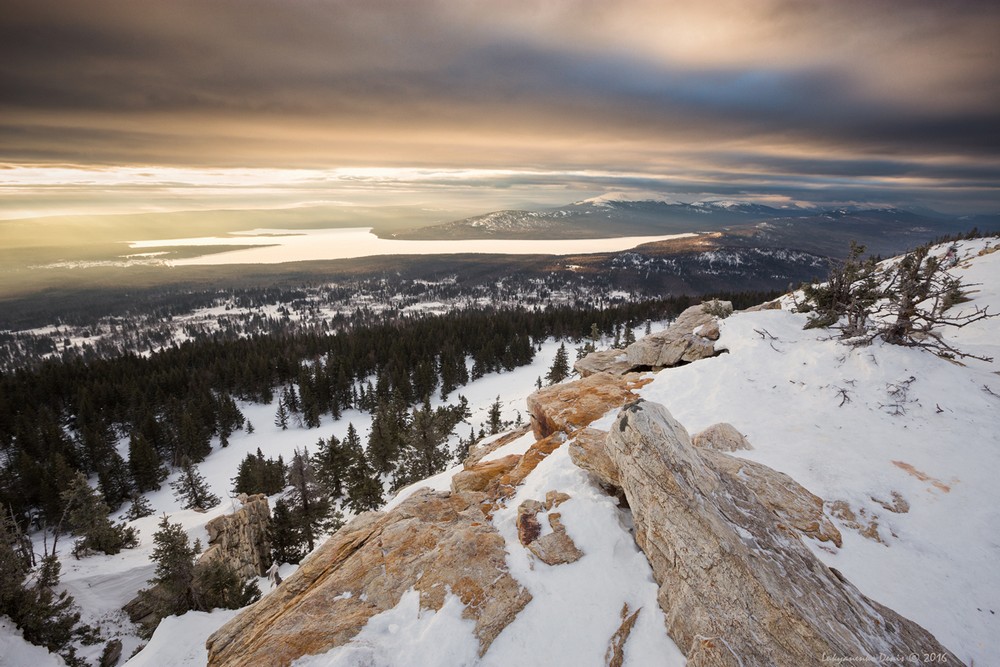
(899, 446)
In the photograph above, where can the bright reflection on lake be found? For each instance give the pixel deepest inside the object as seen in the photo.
(284, 245)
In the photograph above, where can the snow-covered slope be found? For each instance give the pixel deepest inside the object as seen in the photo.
(860, 427)
(828, 415)
(859, 424)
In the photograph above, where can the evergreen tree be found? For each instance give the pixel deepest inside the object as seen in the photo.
(191, 489)
(218, 586)
(364, 488)
(114, 479)
(87, 517)
(330, 463)
(310, 507)
(424, 452)
(259, 475)
(495, 418)
(140, 507)
(285, 533)
(144, 464)
(228, 418)
(45, 617)
(250, 428)
(281, 416)
(173, 579)
(560, 366)
(628, 337)
(389, 425)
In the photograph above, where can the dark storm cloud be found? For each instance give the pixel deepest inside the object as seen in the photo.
(818, 89)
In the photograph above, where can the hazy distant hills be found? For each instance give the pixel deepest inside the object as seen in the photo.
(819, 231)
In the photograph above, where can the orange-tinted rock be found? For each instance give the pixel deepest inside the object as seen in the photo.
(479, 475)
(588, 451)
(502, 487)
(555, 547)
(479, 450)
(571, 406)
(615, 655)
(432, 542)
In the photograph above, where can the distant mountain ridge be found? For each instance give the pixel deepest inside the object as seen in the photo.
(822, 231)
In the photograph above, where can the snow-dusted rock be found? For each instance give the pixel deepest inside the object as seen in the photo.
(736, 589)
(482, 449)
(603, 361)
(721, 437)
(794, 506)
(433, 542)
(678, 342)
(573, 405)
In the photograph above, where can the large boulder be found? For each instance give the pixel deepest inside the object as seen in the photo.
(433, 542)
(573, 405)
(679, 342)
(603, 361)
(735, 587)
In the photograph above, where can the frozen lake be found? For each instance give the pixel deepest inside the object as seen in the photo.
(284, 245)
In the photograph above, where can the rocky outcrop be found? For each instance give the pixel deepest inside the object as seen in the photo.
(241, 538)
(679, 343)
(573, 405)
(721, 437)
(737, 588)
(603, 361)
(433, 542)
(861, 521)
(552, 548)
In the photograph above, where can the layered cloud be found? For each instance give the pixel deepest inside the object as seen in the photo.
(891, 100)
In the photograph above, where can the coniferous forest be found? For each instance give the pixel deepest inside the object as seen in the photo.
(61, 417)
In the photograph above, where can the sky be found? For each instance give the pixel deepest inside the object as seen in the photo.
(136, 105)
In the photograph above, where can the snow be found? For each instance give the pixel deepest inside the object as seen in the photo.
(811, 407)
(15, 651)
(585, 597)
(408, 636)
(180, 640)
